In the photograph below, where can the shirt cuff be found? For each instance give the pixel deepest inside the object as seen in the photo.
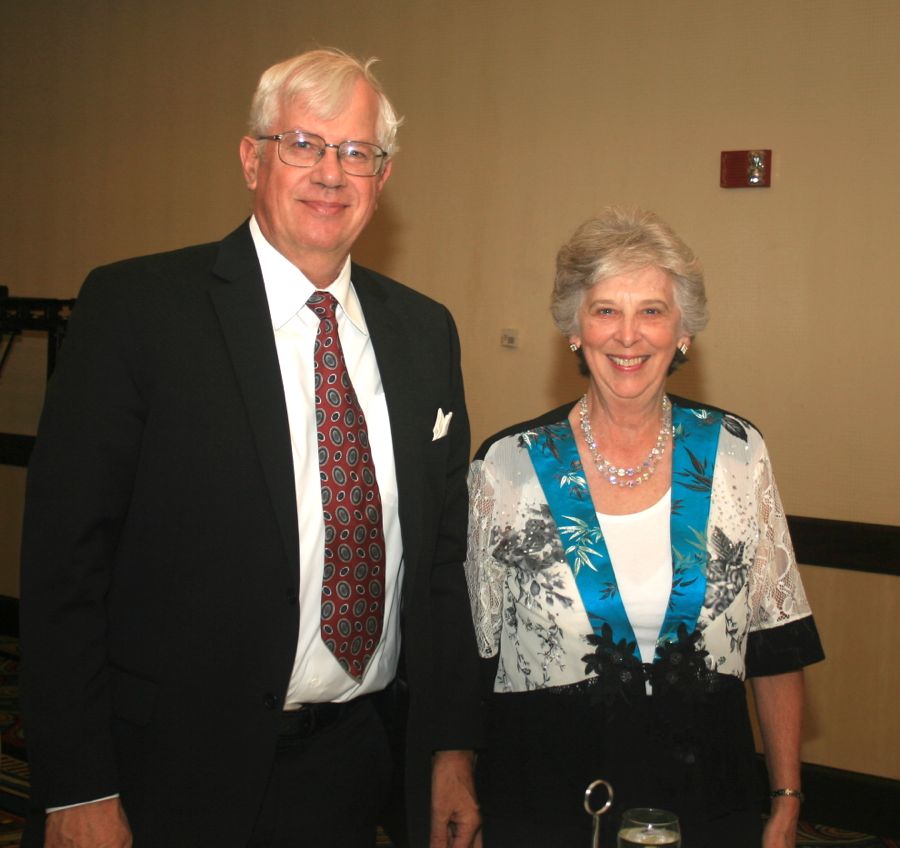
(80, 804)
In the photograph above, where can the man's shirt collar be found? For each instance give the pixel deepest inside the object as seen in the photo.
(288, 288)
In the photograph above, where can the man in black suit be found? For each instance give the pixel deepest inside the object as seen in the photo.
(179, 689)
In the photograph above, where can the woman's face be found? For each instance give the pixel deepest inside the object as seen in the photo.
(630, 327)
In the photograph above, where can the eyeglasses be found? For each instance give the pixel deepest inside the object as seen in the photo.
(303, 150)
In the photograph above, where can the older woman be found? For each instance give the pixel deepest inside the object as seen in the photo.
(629, 566)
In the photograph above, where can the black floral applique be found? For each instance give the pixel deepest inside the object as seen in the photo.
(620, 675)
(681, 668)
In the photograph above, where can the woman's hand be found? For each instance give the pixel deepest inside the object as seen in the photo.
(781, 828)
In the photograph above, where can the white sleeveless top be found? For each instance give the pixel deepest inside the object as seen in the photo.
(640, 548)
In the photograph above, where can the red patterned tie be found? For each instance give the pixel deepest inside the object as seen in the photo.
(353, 578)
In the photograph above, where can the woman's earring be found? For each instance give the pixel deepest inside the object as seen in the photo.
(683, 348)
(573, 347)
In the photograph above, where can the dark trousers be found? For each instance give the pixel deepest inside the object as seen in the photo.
(327, 790)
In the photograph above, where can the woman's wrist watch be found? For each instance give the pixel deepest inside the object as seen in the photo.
(788, 793)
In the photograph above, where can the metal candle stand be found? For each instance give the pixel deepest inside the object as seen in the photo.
(595, 813)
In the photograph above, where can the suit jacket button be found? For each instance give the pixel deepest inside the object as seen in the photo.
(270, 701)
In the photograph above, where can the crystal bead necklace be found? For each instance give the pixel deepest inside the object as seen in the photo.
(628, 477)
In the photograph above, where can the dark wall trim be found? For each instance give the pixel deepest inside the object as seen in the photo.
(850, 545)
(15, 449)
(9, 616)
(848, 800)
(851, 800)
(26, 314)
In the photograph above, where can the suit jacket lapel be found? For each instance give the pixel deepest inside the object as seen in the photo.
(396, 366)
(240, 302)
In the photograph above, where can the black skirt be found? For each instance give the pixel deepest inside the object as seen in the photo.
(693, 756)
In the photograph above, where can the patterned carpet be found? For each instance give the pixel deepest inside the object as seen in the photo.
(13, 768)
(14, 773)
(809, 835)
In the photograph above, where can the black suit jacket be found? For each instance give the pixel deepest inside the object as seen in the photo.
(160, 548)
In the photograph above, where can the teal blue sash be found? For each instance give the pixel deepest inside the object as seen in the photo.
(558, 467)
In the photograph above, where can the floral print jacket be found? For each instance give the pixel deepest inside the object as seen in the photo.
(543, 593)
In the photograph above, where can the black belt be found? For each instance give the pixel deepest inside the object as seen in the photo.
(311, 718)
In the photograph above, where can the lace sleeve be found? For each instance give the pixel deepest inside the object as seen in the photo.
(776, 591)
(484, 575)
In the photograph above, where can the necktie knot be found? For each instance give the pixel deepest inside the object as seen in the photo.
(323, 304)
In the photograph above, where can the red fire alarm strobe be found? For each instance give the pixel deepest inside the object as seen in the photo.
(746, 169)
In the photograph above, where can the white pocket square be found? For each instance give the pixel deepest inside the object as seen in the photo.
(441, 425)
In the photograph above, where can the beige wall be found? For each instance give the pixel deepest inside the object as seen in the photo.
(851, 717)
(121, 124)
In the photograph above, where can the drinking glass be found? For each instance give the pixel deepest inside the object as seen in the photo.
(649, 826)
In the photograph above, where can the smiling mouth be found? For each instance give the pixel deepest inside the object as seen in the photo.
(627, 362)
(324, 207)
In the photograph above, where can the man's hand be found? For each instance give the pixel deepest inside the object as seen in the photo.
(455, 820)
(101, 824)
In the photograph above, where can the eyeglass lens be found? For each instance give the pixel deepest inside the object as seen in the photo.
(305, 149)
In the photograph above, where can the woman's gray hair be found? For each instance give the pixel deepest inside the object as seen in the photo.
(616, 242)
(322, 80)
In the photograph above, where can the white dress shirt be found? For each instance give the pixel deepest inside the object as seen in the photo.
(317, 676)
